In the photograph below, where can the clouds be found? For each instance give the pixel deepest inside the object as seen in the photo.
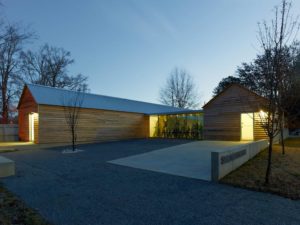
(140, 18)
(153, 20)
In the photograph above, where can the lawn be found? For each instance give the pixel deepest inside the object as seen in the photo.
(14, 211)
(285, 174)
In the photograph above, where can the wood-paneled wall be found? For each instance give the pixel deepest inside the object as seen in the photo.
(222, 116)
(259, 132)
(27, 105)
(94, 125)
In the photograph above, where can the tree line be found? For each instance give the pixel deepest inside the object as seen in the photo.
(19, 65)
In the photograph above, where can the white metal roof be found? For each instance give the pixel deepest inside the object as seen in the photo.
(56, 96)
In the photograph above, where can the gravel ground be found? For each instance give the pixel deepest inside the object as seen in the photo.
(83, 188)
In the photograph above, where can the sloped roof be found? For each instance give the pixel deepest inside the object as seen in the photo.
(45, 95)
(230, 86)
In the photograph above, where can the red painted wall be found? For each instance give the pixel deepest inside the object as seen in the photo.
(27, 105)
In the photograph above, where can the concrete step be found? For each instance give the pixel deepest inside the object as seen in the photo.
(7, 167)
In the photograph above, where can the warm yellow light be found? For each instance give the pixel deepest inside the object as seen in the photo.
(262, 114)
(32, 118)
(153, 123)
(247, 130)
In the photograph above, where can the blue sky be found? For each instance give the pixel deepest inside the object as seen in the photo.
(128, 47)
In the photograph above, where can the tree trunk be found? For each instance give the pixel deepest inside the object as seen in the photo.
(268, 172)
(73, 140)
(282, 139)
(4, 113)
(4, 107)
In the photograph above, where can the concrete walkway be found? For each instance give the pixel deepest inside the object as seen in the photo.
(14, 144)
(192, 160)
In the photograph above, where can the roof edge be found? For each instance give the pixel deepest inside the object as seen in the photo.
(229, 86)
(126, 99)
(178, 112)
(23, 91)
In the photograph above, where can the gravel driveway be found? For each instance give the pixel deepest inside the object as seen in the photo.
(83, 188)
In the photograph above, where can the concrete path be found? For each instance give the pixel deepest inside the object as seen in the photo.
(192, 160)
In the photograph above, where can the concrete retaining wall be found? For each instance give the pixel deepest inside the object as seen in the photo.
(9, 132)
(227, 160)
(7, 167)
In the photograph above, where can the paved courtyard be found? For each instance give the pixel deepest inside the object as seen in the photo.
(192, 160)
(83, 188)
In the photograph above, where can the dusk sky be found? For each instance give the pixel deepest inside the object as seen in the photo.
(127, 48)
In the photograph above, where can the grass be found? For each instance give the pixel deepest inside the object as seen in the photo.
(285, 172)
(14, 211)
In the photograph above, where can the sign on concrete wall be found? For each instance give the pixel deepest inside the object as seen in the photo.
(223, 162)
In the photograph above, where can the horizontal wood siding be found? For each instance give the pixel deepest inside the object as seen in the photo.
(27, 105)
(224, 126)
(222, 116)
(94, 125)
(259, 132)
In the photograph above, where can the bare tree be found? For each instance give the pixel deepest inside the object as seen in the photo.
(273, 39)
(289, 87)
(72, 103)
(12, 40)
(48, 66)
(179, 90)
(291, 97)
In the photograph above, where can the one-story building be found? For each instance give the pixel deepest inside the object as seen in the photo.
(234, 114)
(102, 118)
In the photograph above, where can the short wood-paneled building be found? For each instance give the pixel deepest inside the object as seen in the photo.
(102, 118)
(235, 114)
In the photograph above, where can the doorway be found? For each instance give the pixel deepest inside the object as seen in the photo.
(31, 127)
(247, 133)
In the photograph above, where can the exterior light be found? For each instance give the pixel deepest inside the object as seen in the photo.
(263, 116)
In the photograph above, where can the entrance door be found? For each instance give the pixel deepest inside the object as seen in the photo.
(247, 126)
(31, 127)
